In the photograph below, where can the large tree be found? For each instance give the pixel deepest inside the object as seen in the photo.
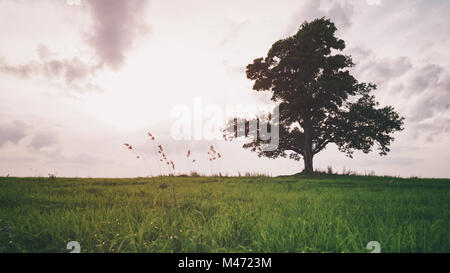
(320, 102)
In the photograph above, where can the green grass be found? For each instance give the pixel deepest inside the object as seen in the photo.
(239, 214)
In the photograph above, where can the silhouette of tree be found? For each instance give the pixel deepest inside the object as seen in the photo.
(320, 102)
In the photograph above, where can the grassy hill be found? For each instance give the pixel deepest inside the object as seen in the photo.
(217, 214)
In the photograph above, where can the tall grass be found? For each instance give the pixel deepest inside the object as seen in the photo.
(241, 214)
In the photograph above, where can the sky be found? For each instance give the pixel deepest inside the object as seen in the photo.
(79, 78)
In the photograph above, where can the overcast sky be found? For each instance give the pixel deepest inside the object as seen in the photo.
(77, 80)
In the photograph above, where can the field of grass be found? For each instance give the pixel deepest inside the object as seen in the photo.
(219, 214)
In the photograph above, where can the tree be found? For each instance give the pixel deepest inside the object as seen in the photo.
(319, 101)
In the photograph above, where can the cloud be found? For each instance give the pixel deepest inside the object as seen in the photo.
(340, 12)
(44, 52)
(421, 92)
(432, 129)
(73, 73)
(379, 70)
(431, 86)
(26, 138)
(383, 70)
(116, 25)
(426, 76)
(12, 132)
(43, 140)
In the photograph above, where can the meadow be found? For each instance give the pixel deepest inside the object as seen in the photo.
(315, 213)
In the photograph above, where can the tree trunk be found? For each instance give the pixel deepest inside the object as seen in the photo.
(308, 160)
(307, 148)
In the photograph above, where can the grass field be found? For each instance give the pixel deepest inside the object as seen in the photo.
(217, 214)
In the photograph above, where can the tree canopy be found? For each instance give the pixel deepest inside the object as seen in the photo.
(320, 102)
